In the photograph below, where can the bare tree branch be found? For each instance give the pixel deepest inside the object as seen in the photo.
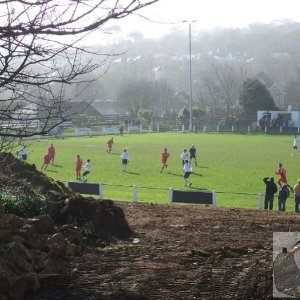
(40, 55)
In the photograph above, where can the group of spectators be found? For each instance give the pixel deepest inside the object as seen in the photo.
(284, 191)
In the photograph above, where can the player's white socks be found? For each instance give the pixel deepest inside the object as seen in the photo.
(186, 181)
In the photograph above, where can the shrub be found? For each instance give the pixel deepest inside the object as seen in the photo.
(20, 205)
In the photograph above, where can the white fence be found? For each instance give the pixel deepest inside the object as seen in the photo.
(201, 199)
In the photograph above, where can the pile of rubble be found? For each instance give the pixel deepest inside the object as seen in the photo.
(33, 250)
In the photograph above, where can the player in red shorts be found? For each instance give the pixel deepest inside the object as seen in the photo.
(78, 164)
(110, 142)
(281, 172)
(164, 158)
(47, 159)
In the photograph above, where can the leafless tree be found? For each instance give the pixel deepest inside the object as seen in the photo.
(223, 85)
(41, 53)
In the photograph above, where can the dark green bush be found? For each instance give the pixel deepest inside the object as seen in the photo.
(22, 206)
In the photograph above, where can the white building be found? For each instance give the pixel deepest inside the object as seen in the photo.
(278, 118)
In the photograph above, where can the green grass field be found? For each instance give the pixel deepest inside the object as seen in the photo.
(230, 164)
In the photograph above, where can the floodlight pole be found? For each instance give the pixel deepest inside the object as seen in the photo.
(190, 76)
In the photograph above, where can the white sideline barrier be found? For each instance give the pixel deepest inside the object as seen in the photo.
(87, 188)
(109, 130)
(175, 196)
(192, 197)
(260, 201)
(134, 129)
(83, 131)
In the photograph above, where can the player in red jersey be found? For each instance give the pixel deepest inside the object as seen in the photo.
(51, 153)
(110, 142)
(47, 159)
(78, 164)
(164, 158)
(281, 172)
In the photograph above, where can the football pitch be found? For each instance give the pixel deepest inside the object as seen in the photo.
(233, 165)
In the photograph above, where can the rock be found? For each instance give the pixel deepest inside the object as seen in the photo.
(57, 243)
(43, 224)
(72, 249)
(5, 235)
(109, 220)
(57, 238)
(72, 234)
(20, 256)
(39, 260)
(4, 222)
(16, 222)
(33, 239)
(26, 254)
(12, 222)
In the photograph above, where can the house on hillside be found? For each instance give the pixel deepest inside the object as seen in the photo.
(81, 108)
(275, 89)
(109, 107)
(278, 95)
(33, 112)
(95, 108)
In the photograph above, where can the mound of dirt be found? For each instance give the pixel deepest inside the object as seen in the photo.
(64, 206)
(34, 250)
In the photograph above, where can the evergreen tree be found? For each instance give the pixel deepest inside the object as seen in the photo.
(255, 96)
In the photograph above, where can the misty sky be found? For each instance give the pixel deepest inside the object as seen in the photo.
(209, 14)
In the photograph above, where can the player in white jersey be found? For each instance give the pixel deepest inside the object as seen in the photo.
(187, 169)
(125, 159)
(87, 170)
(185, 155)
(295, 144)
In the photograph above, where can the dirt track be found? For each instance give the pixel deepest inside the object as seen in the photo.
(184, 252)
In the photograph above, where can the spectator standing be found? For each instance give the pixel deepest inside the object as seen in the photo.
(51, 152)
(271, 189)
(18, 154)
(193, 154)
(78, 166)
(121, 129)
(87, 170)
(295, 144)
(297, 196)
(187, 169)
(185, 155)
(283, 194)
(164, 158)
(24, 153)
(125, 159)
(110, 142)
